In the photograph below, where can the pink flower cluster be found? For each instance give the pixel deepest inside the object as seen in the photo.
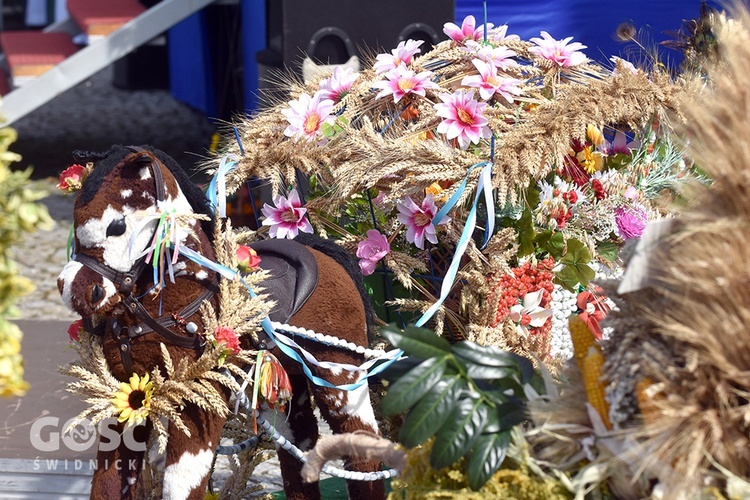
(558, 51)
(228, 337)
(307, 115)
(418, 220)
(402, 81)
(71, 179)
(401, 55)
(462, 118)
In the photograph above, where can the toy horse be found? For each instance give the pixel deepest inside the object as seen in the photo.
(105, 283)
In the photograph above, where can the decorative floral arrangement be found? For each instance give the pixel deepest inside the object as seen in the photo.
(496, 180)
(567, 158)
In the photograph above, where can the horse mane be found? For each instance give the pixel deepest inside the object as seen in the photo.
(107, 161)
(347, 261)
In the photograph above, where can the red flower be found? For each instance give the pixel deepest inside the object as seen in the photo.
(228, 337)
(71, 178)
(599, 192)
(247, 259)
(74, 330)
(594, 308)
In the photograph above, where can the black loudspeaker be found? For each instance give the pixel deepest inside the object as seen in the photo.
(328, 31)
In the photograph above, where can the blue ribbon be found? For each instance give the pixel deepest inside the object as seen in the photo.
(484, 185)
(284, 344)
(217, 189)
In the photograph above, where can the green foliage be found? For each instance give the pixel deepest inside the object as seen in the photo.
(19, 214)
(467, 396)
(577, 270)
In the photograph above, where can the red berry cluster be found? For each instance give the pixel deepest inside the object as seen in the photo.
(526, 279)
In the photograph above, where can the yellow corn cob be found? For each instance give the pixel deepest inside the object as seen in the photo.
(592, 378)
(582, 338)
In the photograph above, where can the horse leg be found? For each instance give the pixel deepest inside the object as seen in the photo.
(189, 458)
(118, 461)
(349, 412)
(300, 428)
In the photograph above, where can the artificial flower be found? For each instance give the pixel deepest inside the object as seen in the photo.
(418, 220)
(402, 54)
(371, 250)
(497, 35)
(490, 83)
(74, 330)
(590, 159)
(558, 51)
(530, 312)
(229, 338)
(402, 81)
(467, 31)
(247, 259)
(463, 119)
(338, 84)
(133, 401)
(594, 134)
(71, 178)
(500, 57)
(307, 115)
(594, 308)
(286, 217)
(275, 385)
(631, 221)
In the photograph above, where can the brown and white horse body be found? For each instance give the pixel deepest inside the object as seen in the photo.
(112, 227)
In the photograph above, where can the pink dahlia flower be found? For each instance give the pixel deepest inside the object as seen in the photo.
(338, 84)
(558, 51)
(463, 119)
(402, 81)
(402, 54)
(418, 220)
(287, 217)
(490, 83)
(371, 250)
(631, 221)
(467, 31)
(306, 116)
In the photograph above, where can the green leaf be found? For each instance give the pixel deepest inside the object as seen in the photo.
(327, 130)
(456, 437)
(576, 266)
(483, 355)
(487, 457)
(417, 342)
(526, 234)
(551, 242)
(426, 418)
(400, 368)
(484, 372)
(407, 390)
(608, 250)
(511, 414)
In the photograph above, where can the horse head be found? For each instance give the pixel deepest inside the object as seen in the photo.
(134, 208)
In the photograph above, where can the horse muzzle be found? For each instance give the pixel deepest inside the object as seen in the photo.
(86, 292)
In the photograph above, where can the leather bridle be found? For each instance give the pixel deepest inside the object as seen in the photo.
(125, 282)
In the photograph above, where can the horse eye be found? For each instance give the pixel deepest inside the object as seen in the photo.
(116, 227)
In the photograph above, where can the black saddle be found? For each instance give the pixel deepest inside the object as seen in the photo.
(293, 275)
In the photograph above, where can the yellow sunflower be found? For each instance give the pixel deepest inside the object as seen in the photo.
(133, 400)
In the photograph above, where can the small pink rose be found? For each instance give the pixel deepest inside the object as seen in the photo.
(247, 259)
(228, 337)
(71, 178)
(74, 330)
(371, 250)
